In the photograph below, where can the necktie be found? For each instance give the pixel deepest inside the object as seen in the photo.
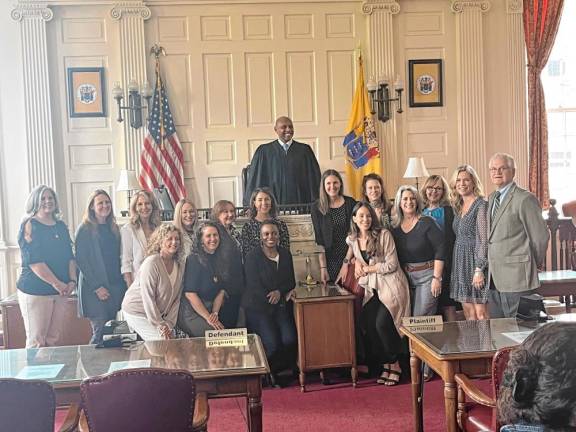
(496, 205)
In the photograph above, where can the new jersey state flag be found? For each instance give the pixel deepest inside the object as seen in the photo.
(360, 143)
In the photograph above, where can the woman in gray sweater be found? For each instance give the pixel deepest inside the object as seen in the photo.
(152, 301)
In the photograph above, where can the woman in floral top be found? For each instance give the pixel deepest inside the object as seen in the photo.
(262, 207)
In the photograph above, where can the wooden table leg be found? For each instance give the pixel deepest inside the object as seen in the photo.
(302, 379)
(416, 396)
(450, 405)
(254, 404)
(354, 374)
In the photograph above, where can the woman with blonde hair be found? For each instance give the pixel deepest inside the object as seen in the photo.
(186, 219)
(435, 197)
(151, 303)
(144, 218)
(48, 273)
(469, 281)
(101, 287)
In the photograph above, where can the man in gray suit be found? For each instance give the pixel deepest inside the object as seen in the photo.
(517, 241)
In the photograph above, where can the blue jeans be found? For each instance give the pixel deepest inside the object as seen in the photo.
(423, 302)
(277, 330)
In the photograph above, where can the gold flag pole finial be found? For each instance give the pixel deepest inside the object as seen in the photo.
(157, 51)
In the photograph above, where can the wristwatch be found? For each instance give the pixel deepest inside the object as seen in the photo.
(346, 261)
(439, 279)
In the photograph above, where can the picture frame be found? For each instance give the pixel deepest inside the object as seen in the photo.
(86, 92)
(425, 83)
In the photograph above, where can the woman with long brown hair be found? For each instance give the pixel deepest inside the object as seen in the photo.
(331, 219)
(101, 287)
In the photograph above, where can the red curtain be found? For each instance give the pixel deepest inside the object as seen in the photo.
(541, 21)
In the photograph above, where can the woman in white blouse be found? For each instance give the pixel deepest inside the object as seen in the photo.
(144, 219)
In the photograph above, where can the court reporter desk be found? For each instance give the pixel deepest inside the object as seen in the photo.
(219, 372)
(325, 324)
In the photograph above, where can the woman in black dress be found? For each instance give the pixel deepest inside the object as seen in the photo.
(101, 287)
(331, 215)
(213, 274)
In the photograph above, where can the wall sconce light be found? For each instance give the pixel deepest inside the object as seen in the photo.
(415, 169)
(380, 99)
(135, 107)
(127, 182)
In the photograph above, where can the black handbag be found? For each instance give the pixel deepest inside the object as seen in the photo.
(531, 308)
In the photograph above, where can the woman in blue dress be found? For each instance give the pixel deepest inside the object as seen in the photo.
(469, 281)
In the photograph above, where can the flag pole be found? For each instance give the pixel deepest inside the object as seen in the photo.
(156, 51)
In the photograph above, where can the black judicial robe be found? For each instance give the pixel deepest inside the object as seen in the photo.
(294, 177)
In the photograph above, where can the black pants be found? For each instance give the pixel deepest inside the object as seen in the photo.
(382, 336)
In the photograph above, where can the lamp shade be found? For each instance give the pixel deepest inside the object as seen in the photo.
(416, 168)
(127, 181)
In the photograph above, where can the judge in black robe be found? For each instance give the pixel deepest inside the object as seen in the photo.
(293, 175)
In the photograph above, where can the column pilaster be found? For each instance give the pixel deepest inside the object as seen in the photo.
(380, 62)
(131, 17)
(32, 18)
(516, 89)
(470, 83)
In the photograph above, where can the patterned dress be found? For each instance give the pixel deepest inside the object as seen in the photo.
(470, 252)
(336, 254)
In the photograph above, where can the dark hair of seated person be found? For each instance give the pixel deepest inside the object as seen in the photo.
(539, 385)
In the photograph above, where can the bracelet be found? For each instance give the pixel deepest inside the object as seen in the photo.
(439, 279)
(478, 271)
(323, 267)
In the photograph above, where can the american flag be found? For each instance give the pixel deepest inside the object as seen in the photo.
(162, 159)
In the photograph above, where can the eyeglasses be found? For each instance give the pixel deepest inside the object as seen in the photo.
(498, 170)
(434, 188)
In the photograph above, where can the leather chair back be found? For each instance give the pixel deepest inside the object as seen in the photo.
(26, 405)
(499, 363)
(136, 400)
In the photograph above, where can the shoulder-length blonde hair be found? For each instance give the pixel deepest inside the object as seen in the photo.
(431, 181)
(154, 217)
(373, 245)
(323, 198)
(455, 198)
(178, 214)
(273, 206)
(383, 197)
(397, 212)
(89, 217)
(159, 235)
(34, 202)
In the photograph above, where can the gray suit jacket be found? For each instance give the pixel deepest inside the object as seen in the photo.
(517, 241)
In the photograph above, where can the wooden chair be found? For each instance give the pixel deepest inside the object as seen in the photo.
(30, 405)
(480, 414)
(147, 399)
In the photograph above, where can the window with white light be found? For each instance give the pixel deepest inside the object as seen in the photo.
(559, 81)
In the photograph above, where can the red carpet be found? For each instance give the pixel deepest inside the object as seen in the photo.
(368, 408)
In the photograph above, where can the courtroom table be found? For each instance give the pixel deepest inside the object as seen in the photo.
(219, 372)
(76, 332)
(561, 283)
(453, 346)
(325, 324)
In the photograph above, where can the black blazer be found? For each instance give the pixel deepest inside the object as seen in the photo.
(263, 276)
(323, 223)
